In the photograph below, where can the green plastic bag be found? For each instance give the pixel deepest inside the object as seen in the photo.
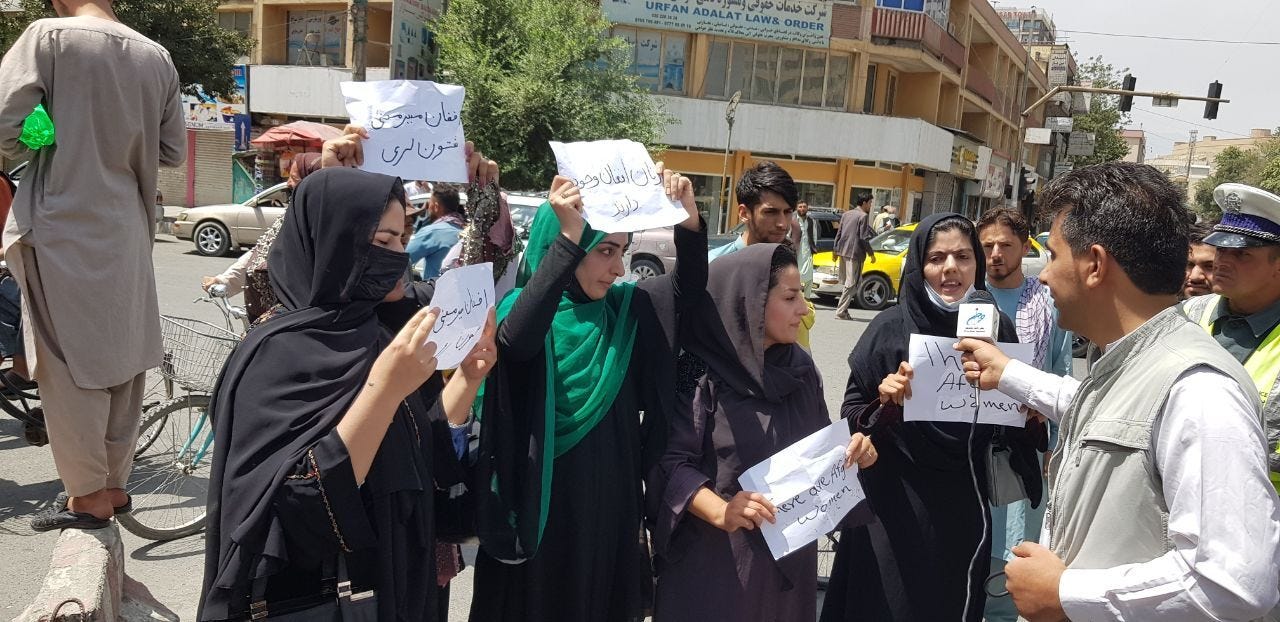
(37, 130)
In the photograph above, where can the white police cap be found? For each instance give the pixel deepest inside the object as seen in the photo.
(1250, 217)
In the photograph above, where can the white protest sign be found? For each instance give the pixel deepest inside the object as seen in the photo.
(620, 185)
(939, 391)
(464, 296)
(415, 128)
(809, 486)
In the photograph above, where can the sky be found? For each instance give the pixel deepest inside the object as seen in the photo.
(1250, 74)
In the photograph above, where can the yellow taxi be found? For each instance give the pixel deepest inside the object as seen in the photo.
(880, 276)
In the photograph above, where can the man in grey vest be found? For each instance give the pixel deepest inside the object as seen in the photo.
(1243, 313)
(1160, 507)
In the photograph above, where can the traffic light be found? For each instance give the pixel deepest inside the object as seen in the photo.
(1126, 101)
(1211, 108)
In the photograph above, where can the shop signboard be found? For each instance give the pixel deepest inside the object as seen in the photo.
(1059, 67)
(226, 113)
(1060, 124)
(795, 22)
(1081, 144)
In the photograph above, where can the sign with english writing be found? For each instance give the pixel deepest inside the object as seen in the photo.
(797, 22)
(939, 391)
(809, 486)
(415, 128)
(620, 186)
(464, 296)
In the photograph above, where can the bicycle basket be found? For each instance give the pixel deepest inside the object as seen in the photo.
(194, 352)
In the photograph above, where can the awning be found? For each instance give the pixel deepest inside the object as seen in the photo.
(298, 133)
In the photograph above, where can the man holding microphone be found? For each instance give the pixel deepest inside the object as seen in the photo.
(1161, 508)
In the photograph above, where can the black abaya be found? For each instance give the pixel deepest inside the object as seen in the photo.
(591, 563)
(283, 499)
(909, 562)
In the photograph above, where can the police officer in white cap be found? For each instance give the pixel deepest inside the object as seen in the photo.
(1243, 313)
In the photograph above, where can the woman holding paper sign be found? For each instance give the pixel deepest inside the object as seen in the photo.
(912, 559)
(560, 528)
(761, 393)
(329, 447)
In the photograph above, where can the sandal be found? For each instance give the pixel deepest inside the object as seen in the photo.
(14, 382)
(60, 504)
(66, 519)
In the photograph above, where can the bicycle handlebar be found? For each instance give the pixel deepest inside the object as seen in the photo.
(218, 290)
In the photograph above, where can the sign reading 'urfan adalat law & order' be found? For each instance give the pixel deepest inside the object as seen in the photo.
(798, 22)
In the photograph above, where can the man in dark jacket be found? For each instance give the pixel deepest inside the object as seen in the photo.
(853, 244)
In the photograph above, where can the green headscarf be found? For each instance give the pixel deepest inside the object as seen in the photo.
(588, 350)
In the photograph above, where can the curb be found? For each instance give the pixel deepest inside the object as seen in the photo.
(87, 582)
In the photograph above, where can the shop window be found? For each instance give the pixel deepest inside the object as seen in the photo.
(837, 81)
(891, 94)
(869, 98)
(814, 78)
(317, 38)
(816, 195)
(657, 58)
(764, 83)
(238, 21)
(718, 69)
(790, 67)
(769, 73)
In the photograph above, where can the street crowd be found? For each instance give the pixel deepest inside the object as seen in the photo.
(593, 439)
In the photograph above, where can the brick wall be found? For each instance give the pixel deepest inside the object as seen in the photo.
(846, 21)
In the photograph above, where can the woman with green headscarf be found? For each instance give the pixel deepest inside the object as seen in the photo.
(564, 445)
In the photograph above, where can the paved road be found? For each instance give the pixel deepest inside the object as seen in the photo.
(28, 481)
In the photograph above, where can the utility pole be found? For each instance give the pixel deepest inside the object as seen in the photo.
(730, 113)
(360, 23)
(1016, 175)
(1191, 149)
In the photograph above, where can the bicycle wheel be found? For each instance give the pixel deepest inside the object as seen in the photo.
(170, 479)
(826, 558)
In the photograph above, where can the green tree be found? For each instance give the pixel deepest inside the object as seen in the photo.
(541, 70)
(202, 51)
(1104, 117)
(1231, 165)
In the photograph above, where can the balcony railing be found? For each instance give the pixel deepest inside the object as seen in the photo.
(913, 26)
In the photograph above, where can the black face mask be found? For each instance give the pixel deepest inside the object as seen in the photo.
(386, 268)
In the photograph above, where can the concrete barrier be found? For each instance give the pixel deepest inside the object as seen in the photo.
(87, 582)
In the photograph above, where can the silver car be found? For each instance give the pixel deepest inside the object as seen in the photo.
(220, 229)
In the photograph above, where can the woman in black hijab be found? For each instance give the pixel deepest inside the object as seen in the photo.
(326, 447)
(911, 561)
(761, 393)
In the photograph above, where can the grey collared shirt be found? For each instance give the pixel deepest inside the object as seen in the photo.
(1242, 334)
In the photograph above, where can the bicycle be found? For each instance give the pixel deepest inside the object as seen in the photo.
(169, 482)
(827, 558)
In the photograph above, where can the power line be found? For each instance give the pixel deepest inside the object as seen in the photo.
(1164, 38)
(1207, 127)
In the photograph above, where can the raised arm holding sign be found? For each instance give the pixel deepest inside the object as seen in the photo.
(413, 129)
(622, 189)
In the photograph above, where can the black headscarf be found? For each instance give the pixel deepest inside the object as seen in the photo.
(886, 342)
(295, 375)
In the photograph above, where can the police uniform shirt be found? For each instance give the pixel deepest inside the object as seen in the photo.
(1242, 334)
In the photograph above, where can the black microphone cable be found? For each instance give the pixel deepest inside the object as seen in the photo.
(982, 506)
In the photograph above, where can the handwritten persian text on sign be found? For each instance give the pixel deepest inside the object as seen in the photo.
(940, 392)
(464, 297)
(801, 22)
(620, 185)
(809, 486)
(415, 128)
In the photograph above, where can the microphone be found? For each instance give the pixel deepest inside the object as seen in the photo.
(978, 317)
